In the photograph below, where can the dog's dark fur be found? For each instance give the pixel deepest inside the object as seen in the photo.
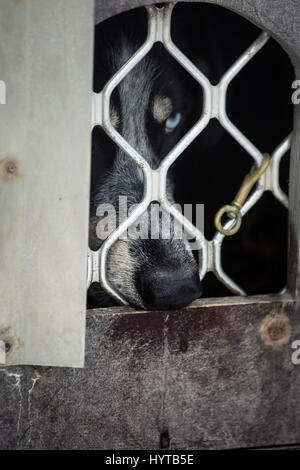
(148, 273)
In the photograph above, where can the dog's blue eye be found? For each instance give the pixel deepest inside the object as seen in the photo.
(172, 122)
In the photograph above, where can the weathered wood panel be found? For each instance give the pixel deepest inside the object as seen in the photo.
(46, 64)
(212, 376)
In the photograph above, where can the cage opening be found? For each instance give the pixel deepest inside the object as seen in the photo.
(210, 166)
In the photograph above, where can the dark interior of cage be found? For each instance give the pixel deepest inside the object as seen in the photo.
(212, 168)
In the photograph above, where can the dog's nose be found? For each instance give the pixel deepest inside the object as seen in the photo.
(169, 290)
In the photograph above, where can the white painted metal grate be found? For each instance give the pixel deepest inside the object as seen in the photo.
(214, 106)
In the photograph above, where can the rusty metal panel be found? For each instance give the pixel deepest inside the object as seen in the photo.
(46, 67)
(216, 375)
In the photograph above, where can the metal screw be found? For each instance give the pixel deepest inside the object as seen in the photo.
(10, 167)
(275, 330)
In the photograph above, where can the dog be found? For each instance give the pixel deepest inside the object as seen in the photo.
(152, 108)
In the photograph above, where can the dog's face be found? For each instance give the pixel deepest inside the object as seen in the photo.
(151, 108)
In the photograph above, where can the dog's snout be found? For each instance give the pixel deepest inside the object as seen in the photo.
(169, 290)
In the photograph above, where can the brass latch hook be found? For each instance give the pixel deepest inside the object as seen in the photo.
(233, 210)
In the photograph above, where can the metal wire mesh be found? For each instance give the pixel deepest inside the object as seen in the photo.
(214, 106)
